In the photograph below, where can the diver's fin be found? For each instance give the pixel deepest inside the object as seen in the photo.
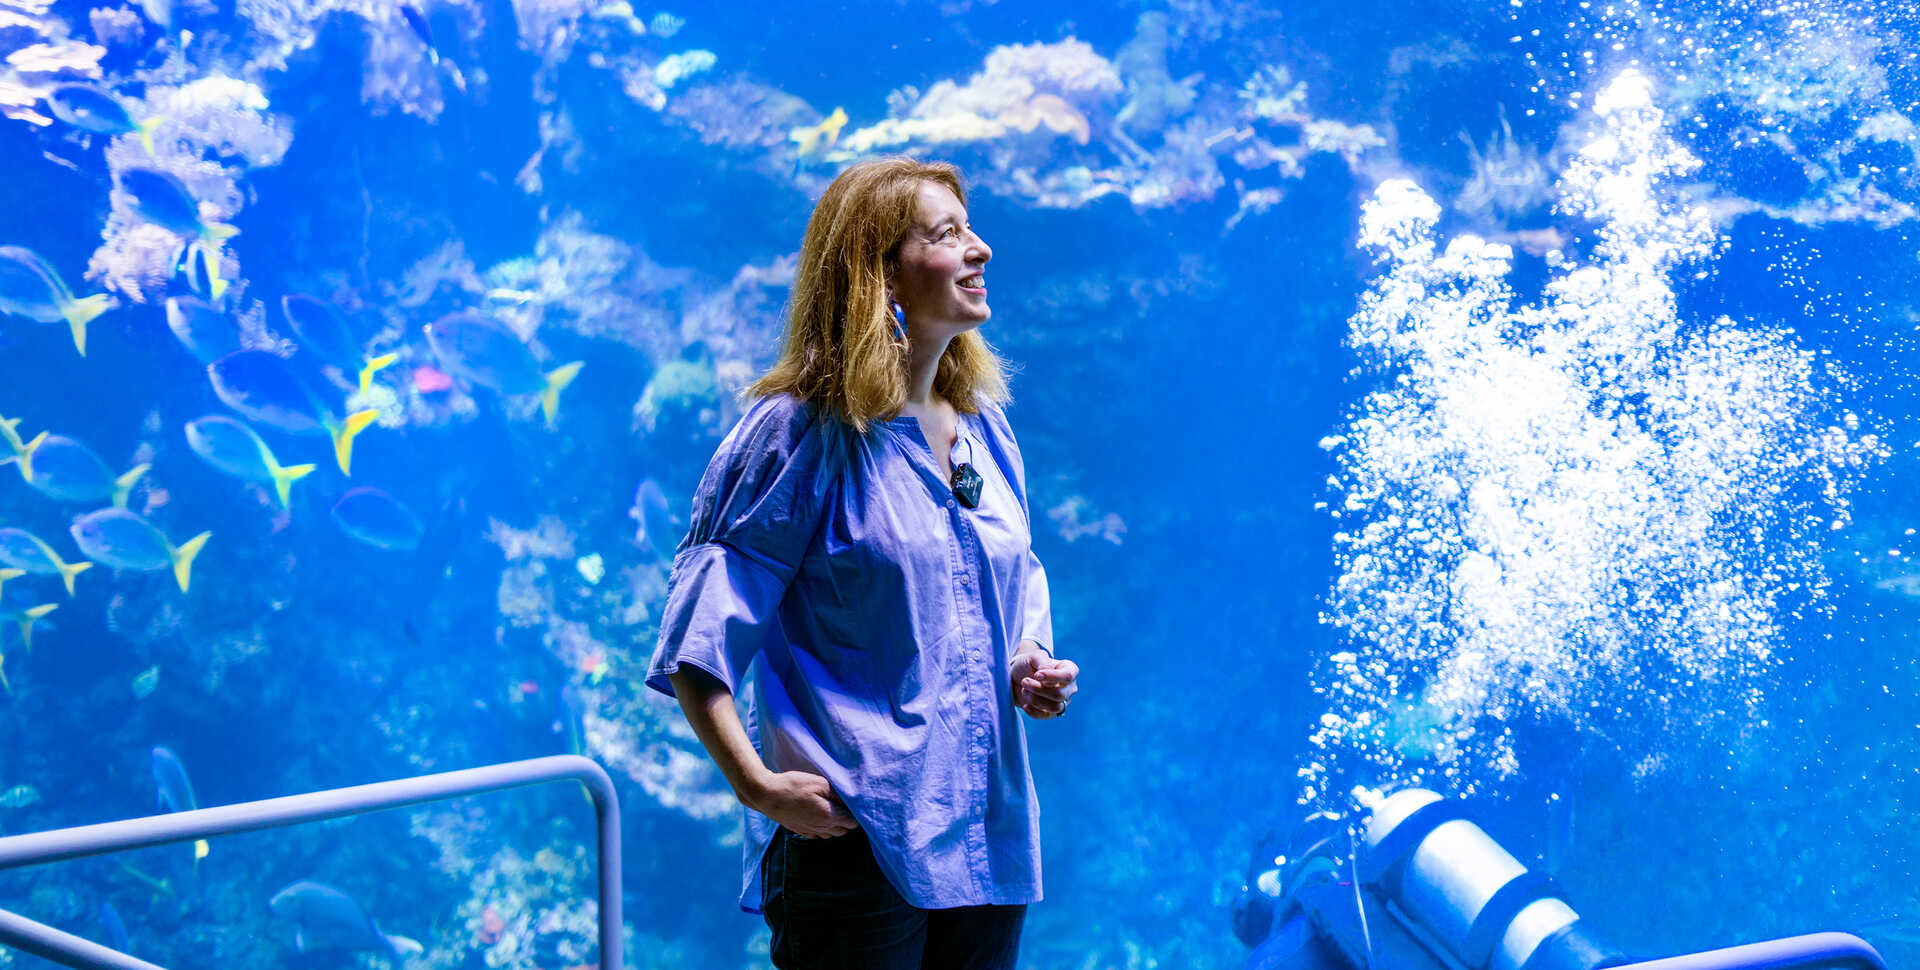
(183, 558)
(81, 312)
(343, 437)
(283, 479)
(123, 485)
(374, 366)
(557, 381)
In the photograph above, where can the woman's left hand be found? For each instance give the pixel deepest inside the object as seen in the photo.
(1043, 686)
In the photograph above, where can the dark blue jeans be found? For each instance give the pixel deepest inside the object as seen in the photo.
(831, 908)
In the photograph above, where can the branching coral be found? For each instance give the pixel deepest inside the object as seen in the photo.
(1074, 520)
(548, 539)
(594, 285)
(1047, 123)
(741, 115)
(213, 129)
(1023, 88)
(400, 71)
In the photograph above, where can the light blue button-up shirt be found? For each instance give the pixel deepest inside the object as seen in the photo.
(878, 617)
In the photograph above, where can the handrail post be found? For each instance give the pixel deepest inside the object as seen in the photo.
(56, 845)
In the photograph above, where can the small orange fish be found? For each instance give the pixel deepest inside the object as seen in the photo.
(491, 925)
(594, 666)
(430, 380)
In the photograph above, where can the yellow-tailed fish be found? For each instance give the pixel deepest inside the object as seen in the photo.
(480, 349)
(30, 288)
(67, 471)
(269, 390)
(124, 540)
(160, 198)
(174, 793)
(20, 549)
(26, 618)
(374, 366)
(89, 108)
(232, 447)
(820, 137)
(378, 519)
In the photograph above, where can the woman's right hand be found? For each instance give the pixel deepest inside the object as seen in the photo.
(805, 803)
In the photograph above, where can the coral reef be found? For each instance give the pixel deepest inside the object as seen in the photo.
(1022, 88)
(1060, 126)
(1074, 520)
(212, 131)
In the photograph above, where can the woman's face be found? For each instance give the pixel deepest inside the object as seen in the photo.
(938, 279)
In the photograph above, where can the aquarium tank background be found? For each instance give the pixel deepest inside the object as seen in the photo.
(1512, 398)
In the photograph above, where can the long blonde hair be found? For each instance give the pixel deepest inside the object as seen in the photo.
(840, 350)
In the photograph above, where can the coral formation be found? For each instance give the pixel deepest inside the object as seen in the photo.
(213, 130)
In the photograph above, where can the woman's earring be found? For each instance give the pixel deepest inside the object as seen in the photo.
(899, 323)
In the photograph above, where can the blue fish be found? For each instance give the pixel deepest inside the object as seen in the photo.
(569, 719)
(115, 929)
(322, 330)
(173, 792)
(195, 265)
(417, 21)
(30, 288)
(328, 919)
(655, 525)
(478, 348)
(124, 540)
(165, 201)
(268, 390)
(20, 549)
(88, 108)
(65, 470)
(207, 331)
(377, 519)
(232, 447)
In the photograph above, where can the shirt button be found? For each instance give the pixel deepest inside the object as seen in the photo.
(949, 503)
(966, 580)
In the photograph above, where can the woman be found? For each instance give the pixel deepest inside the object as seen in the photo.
(862, 541)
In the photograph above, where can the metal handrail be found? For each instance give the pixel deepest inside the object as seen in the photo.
(1811, 950)
(135, 833)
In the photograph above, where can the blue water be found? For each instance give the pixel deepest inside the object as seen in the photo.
(1213, 358)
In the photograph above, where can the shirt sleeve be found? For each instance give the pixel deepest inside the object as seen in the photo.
(1036, 614)
(757, 510)
(1036, 621)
